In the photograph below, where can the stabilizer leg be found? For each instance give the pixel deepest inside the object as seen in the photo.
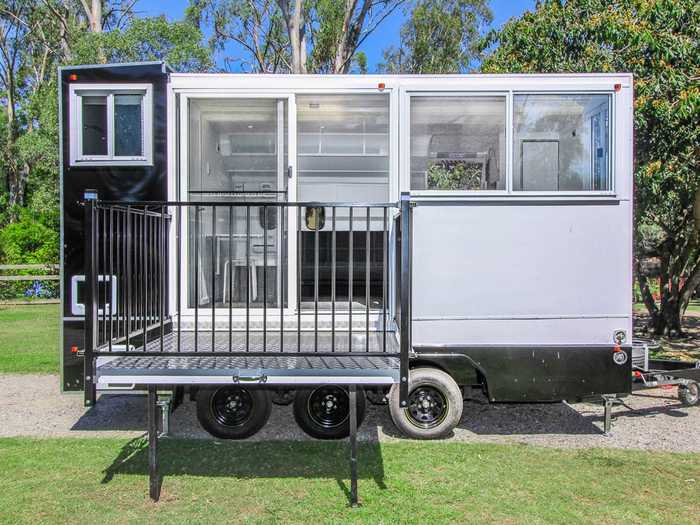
(153, 477)
(354, 502)
(607, 418)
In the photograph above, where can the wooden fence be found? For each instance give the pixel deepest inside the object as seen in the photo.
(33, 277)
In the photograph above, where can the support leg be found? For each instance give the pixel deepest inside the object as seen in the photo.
(607, 423)
(153, 477)
(353, 446)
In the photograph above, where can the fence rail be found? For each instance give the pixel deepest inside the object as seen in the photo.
(14, 267)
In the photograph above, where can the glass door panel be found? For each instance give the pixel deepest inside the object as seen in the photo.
(237, 153)
(343, 156)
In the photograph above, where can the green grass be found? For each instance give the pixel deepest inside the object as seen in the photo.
(104, 481)
(29, 339)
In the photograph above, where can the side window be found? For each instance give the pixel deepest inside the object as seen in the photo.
(458, 143)
(111, 125)
(561, 143)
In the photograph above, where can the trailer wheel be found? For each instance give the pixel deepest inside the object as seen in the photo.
(434, 405)
(233, 412)
(689, 394)
(324, 412)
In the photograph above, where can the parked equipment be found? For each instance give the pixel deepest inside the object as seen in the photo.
(319, 240)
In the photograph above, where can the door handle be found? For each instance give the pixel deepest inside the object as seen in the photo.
(289, 172)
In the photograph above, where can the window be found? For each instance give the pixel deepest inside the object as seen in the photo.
(561, 143)
(111, 124)
(343, 147)
(458, 143)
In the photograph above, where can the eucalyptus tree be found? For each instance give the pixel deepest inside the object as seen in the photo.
(439, 36)
(292, 36)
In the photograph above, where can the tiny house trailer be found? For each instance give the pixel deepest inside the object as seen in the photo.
(323, 239)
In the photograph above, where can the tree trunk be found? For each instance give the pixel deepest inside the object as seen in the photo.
(15, 178)
(296, 28)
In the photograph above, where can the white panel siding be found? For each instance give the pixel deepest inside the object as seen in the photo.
(521, 273)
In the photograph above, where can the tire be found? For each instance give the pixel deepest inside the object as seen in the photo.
(233, 412)
(323, 412)
(434, 407)
(689, 394)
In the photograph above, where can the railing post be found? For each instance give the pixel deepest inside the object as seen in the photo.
(91, 294)
(405, 291)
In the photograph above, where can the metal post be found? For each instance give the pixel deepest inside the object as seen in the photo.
(607, 418)
(153, 477)
(405, 296)
(91, 291)
(354, 502)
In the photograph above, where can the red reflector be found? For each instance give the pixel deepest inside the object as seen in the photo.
(72, 76)
(73, 349)
(618, 87)
(617, 348)
(637, 373)
(381, 85)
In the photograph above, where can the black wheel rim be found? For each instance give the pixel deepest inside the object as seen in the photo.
(427, 407)
(328, 406)
(232, 406)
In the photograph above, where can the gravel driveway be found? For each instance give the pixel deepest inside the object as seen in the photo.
(652, 420)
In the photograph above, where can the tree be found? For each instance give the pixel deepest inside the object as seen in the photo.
(38, 35)
(659, 42)
(293, 36)
(441, 36)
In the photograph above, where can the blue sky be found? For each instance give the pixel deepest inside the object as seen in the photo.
(387, 35)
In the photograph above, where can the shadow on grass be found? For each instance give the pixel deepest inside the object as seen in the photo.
(248, 460)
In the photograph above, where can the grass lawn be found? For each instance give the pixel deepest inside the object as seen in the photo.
(101, 480)
(29, 339)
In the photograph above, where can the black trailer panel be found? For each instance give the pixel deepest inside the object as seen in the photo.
(537, 373)
(123, 183)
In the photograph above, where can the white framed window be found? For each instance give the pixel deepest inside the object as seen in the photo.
(562, 142)
(111, 124)
(457, 142)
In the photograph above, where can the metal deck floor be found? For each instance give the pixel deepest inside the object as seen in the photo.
(367, 364)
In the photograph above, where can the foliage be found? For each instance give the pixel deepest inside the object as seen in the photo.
(453, 176)
(146, 39)
(659, 42)
(29, 240)
(292, 36)
(441, 36)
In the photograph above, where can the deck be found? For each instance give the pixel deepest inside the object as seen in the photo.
(302, 358)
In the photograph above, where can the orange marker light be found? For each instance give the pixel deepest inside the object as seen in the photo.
(618, 87)
(381, 85)
(72, 76)
(73, 349)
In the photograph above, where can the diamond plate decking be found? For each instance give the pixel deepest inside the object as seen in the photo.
(367, 362)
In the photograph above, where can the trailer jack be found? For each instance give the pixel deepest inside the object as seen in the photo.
(155, 405)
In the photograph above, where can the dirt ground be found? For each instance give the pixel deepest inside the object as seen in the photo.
(651, 420)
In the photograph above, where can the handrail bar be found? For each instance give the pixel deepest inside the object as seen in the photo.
(284, 204)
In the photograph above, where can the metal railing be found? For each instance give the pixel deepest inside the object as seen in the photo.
(234, 261)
